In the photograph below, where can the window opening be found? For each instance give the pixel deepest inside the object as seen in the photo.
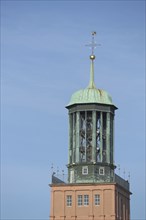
(89, 136)
(82, 136)
(85, 170)
(98, 145)
(97, 199)
(80, 200)
(86, 200)
(101, 171)
(86, 126)
(69, 200)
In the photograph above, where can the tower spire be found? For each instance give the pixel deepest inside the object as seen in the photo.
(91, 82)
(92, 45)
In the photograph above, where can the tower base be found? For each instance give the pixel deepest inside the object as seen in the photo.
(89, 202)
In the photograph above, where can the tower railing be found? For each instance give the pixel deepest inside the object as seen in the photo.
(63, 179)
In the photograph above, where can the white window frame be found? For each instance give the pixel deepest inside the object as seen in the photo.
(86, 200)
(85, 170)
(69, 200)
(80, 200)
(101, 171)
(97, 199)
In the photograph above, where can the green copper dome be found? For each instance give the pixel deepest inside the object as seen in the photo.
(91, 95)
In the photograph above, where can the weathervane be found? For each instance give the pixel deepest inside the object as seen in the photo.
(93, 45)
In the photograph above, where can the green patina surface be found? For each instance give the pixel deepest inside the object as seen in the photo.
(91, 134)
(91, 95)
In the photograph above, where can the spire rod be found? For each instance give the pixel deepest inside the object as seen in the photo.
(92, 45)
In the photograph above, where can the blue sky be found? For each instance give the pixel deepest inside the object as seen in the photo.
(43, 61)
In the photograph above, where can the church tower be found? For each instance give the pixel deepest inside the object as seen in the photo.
(93, 190)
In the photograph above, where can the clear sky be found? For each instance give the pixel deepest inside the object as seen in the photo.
(43, 61)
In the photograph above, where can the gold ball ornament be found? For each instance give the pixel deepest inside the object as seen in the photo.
(92, 57)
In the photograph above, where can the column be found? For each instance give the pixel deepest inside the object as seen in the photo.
(113, 160)
(94, 136)
(77, 136)
(74, 137)
(108, 148)
(70, 139)
(101, 141)
(86, 135)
